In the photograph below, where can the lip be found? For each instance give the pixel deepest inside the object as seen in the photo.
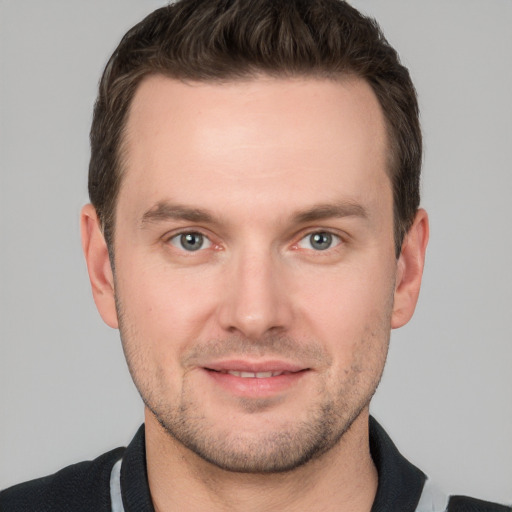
(290, 374)
(240, 365)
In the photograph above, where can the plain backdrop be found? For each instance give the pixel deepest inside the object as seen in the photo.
(446, 396)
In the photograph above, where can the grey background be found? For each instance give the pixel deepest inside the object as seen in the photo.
(65, 394)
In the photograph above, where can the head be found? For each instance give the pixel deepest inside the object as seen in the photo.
(254, 177)
(220, 41)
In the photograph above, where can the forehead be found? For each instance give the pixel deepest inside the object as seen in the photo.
(206, 141)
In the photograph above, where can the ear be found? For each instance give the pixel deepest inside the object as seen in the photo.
(409, 270)
(98, 265)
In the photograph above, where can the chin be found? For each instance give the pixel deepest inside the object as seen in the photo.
(286, 447)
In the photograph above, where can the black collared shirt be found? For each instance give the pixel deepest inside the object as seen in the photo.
(85, 487)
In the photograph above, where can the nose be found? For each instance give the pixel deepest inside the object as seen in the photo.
(256, 300)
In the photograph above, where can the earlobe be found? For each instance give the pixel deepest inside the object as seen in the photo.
(98, 265)
(410, 270)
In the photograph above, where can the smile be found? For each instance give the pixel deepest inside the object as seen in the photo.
(252, 375)
(250, 381)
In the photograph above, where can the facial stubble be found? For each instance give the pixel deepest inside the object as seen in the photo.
(292, 443)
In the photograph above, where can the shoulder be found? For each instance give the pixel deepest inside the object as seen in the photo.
(78, 488)
(434, 499)
(465, 504)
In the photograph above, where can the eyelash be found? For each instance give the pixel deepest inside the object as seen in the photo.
(332, 237)
(178, 237)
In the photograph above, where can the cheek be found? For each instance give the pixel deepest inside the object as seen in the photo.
(167, 306)
(347, 304)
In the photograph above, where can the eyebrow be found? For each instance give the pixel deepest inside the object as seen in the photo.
(339, 209)
(164, 210)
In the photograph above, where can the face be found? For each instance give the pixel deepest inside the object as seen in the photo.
(255, 267)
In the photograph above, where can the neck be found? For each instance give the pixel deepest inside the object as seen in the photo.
(342, 479)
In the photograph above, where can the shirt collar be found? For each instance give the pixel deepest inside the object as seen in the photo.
(399, 488)
(400, 483)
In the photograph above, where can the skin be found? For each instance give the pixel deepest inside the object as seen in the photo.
(256, 168)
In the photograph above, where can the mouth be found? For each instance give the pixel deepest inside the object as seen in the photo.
(255, 380)
(252, 375)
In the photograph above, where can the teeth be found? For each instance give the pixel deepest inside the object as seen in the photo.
(263, 375)
(251, 375)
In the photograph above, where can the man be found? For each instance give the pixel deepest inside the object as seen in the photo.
(254, 233)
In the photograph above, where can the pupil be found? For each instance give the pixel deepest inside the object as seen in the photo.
(321, 241)
(192, 241)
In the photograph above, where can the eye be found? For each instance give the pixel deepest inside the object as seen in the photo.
(319, 241)
(191, 241)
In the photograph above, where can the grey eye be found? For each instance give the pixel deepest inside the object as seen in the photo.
(192, 241)
(319, 241)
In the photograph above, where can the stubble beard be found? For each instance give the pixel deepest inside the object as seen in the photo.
(286, 448)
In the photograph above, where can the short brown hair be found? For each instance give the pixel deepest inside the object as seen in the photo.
(221, 40)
